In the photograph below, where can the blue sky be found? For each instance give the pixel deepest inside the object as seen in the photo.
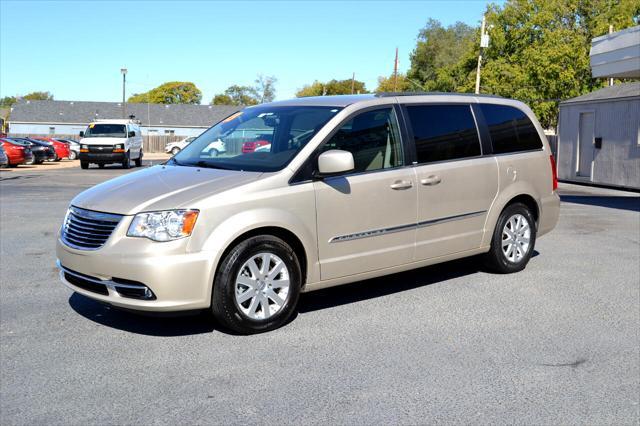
(75, 49)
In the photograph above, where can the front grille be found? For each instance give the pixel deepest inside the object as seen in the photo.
(101, 148)
(88, 230)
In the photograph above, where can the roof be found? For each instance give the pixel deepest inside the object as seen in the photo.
(616, 54)
(345, 100)
(80, 112)
(617, 91)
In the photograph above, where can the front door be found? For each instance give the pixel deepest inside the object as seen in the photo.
(366, 218)
(456, 185)
(585, 145)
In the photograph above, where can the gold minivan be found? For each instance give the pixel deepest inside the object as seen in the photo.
(312, 193)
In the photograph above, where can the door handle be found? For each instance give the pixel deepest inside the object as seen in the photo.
(431, 180)
(401, 184)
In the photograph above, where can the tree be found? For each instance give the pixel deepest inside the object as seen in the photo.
(265, 90)
(174, 92)
(236, 95)
(38, 96)
(332, 87)
(8, 101)
(538, 53)
(438, 51)
(387, 84)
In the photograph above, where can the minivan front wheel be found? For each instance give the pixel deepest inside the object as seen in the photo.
(257, 285)
(513, 240)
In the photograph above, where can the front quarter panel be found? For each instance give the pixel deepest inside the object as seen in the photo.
(225, 218)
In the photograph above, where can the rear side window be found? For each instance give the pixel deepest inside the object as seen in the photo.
(443, 132)
(510, 129)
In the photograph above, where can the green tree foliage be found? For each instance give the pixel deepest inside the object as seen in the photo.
(438, 53)
(539, 51)
(38, 96)
(174, 92)
(387, 84)
(236, 95)
(7, 101)
(332, 87)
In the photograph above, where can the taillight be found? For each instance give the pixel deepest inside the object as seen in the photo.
(554, 172)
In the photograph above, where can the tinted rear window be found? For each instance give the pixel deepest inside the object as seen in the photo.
(443, 132)
(510, 129)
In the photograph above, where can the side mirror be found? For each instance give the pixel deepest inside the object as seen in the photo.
(334, 162)
(132, 134)
(82, 134)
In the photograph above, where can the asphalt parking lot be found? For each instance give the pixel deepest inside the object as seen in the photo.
(555, 344)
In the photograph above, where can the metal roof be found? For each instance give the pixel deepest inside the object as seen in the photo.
(617, 91)
(81, 112)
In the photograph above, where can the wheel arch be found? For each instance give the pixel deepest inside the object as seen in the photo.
(522, 194)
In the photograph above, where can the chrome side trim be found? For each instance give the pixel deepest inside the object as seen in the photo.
(449, 218)
(400, 228)
(372, 233)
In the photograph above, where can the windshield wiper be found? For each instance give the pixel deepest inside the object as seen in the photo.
(208, 165)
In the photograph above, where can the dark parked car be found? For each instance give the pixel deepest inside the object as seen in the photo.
(4, 160)
(42, 152)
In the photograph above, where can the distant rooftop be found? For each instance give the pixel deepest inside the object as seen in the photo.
(81, 112)
(617, 91)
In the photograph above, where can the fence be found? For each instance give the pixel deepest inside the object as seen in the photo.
(151, 143)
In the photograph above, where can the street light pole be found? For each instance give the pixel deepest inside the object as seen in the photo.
(124, 83)
(484, 42)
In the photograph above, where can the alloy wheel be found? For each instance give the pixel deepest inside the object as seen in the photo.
(262, 286)
(516, 236)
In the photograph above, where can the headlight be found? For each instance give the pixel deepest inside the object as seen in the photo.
(84, 146)
(118, 146)
(163, 226)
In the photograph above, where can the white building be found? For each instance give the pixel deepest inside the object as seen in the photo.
(70, 117)
(599, 133)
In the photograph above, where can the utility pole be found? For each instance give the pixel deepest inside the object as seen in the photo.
(395, 72)
(484, 42)
(124, 83)
(610, 31)
(353, 82)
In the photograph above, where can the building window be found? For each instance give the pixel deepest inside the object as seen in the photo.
(170, 132)
(52, 130)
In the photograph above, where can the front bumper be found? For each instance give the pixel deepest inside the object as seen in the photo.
(104, 158)
(177, 280)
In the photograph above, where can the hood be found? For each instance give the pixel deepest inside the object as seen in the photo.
(160, 188)
(101, 141)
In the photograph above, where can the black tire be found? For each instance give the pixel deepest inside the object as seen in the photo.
(57, 159)
(223, 302)
(84, 165)
(175, 150)
(101, 165)
(126, 163)
(138, 161)
(496, 260)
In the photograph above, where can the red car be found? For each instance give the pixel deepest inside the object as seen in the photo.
(252, 146)
(16, 153)
(62, 149)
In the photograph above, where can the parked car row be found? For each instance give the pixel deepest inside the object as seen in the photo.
(36, 150)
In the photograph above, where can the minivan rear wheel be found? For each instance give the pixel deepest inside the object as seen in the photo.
(513, 240)
(257, 285)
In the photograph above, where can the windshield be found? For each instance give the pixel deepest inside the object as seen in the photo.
(261, 138)
(106, 130)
